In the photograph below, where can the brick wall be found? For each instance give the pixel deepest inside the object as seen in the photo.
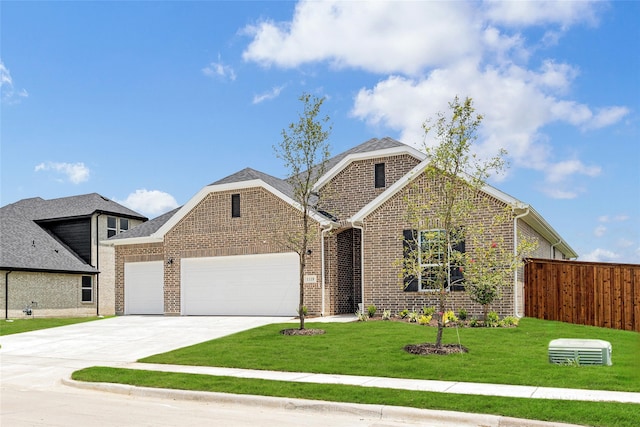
(353, 187)
(264, 226)
(382, 244)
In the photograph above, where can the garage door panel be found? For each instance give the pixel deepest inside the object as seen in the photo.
(240, 285)
(144, 287)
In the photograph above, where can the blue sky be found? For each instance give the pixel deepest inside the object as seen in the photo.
(147, 102)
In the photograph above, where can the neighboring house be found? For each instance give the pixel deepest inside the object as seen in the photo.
(51, 259)
(225, 251)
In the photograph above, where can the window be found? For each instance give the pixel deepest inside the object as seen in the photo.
(432, 245)
(112, 226)
(379, 175)
(235, 206)
(124, 224)
(425, 250)
(87, 289)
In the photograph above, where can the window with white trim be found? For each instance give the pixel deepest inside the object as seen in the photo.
(432, 244)
(112, 226)
(425, 249)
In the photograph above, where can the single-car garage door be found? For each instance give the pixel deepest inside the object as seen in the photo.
(143, 287)
(250, 285)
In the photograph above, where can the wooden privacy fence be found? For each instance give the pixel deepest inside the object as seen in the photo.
(586, 293)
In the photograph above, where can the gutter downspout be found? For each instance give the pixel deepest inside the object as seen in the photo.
(6, 294)
(552, 254)
(361, 228)
(515, 254)
(98, 265)
(323, 263)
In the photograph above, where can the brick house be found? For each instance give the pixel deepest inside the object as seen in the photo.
(51, 257)
(225, 253)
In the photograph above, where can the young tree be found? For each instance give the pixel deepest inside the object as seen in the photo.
(305, 151)
(444, 207)
(492, 265)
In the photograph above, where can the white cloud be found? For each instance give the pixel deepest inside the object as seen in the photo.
(429, 52)
(267, 96)
(9, 94)
(150, 202)
(600, 255)
(75, 173)
(558, 172)
(600, 231)
(379, 36)
(527, 13)
(219, 70)
(615, 218)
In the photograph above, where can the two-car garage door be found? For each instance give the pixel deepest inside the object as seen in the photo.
(250, 285)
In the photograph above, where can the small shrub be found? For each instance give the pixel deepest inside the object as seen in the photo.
(403, 313)
(462, 314)
(510, 321)
(362, 317)
(371, 310)
(413, 317)
(386, 314)
(493, 320)
(474, 323)
(424, 320)
(449, 316)
(429, 311)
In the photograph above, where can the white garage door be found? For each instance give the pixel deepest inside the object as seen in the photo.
(253, 285)
(143, 287)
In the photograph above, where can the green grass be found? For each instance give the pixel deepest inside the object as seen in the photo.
(17, 326)
(585, 413)
(496, 355)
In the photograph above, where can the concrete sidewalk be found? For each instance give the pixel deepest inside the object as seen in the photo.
(405, 384)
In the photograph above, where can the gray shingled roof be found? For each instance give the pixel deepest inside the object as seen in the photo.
(247, 174)
(146, 228)
(24, 245)
(373, 144)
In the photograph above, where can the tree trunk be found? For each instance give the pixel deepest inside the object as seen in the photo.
(301, 303)
(440, 322)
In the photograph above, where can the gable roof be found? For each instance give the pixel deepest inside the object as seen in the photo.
(26, 246)
(245, 178)
(527, 212)
(370, 149)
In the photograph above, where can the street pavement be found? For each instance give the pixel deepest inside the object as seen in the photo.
(35, 370)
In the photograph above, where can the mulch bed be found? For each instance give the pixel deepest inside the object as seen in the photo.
(302, 331)
(430, 348)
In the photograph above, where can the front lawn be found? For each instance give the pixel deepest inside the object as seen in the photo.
(583, 413)
(496, 355)
(17, 326)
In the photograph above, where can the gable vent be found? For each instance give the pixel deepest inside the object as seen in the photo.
(580, 351)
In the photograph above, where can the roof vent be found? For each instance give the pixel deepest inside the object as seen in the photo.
(580, 351)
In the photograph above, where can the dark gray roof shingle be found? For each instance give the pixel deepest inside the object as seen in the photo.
(24, 245)
(146, 228)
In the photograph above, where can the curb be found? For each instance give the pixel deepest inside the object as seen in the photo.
(383, 412)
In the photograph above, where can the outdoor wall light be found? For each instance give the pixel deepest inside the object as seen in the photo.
(170, 261)
(309, 251)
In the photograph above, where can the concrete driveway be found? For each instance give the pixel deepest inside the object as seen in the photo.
(40, 359)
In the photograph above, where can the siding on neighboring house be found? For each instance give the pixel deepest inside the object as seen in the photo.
(48, 295)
